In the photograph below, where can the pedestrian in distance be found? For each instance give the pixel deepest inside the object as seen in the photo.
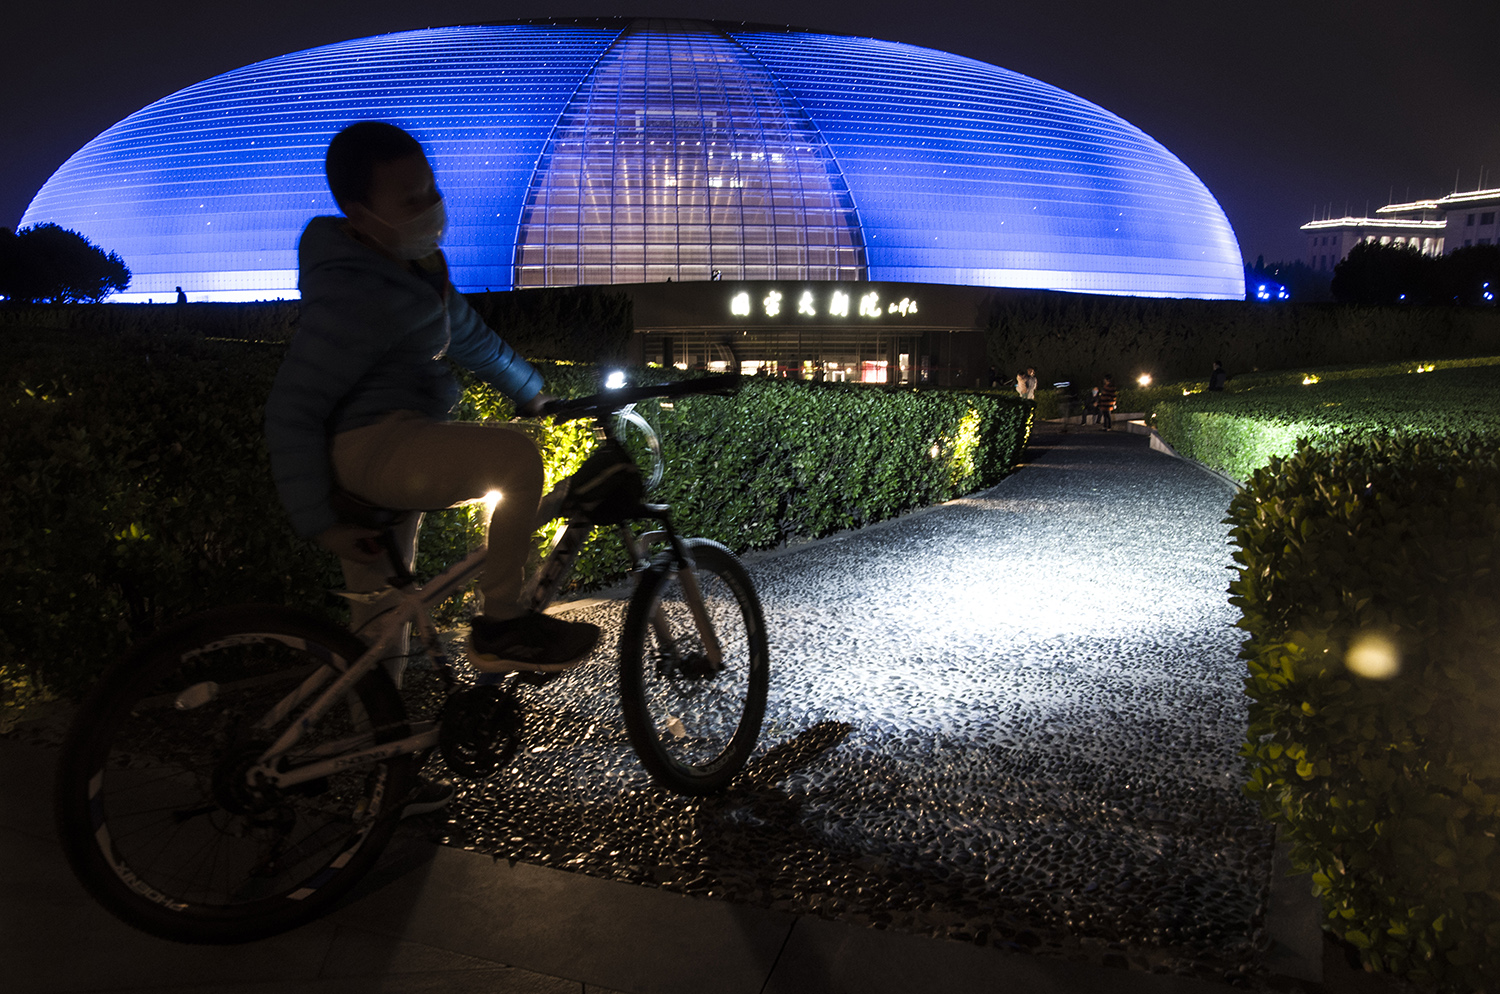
(1106, 400)
(181, 297)
(1218, 377)
(1026, 384)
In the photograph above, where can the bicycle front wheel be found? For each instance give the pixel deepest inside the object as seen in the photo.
(694, 721)
(154, 807)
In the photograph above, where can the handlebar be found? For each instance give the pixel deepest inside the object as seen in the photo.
(610, 401)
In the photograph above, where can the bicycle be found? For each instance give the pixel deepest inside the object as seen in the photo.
(236, 774)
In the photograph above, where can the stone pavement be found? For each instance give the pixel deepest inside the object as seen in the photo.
(438, 918)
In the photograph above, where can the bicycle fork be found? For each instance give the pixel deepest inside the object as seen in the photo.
(688, 574)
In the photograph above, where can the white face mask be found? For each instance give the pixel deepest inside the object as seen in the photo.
(417, 237)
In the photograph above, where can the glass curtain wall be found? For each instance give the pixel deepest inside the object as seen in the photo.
(680, 158)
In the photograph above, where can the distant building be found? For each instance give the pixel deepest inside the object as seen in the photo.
(1435, 227)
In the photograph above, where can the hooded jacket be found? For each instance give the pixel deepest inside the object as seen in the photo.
(372, 340)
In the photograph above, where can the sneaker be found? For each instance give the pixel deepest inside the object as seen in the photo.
(427, 795)
(533, 642)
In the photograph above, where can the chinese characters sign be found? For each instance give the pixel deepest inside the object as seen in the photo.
(809, 303)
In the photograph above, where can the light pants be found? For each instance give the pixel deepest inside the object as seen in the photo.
(409, 462)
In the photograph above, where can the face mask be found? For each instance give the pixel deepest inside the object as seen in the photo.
(417, 237)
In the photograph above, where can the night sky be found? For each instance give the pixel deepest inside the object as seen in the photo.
(1283, 109)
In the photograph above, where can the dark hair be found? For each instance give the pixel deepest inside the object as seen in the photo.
(357, 150)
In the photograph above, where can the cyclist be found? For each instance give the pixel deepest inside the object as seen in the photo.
(363, 398)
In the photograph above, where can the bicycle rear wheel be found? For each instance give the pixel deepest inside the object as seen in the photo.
(692, 723)
(154, 809)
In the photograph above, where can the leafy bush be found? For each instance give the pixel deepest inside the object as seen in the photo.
(137, 486)
(1367, 583)
(577, 324)
(1241, 430)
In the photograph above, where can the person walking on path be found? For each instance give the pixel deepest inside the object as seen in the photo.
(1026, 383)
(1106, 402)
(1217, 379)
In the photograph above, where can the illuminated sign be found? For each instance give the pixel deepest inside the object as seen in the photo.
(810, 303)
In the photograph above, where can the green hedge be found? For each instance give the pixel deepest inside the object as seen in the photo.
(576, 324)
(1239, 431)
(1081, 336)
(1388, 784)
(137, 487)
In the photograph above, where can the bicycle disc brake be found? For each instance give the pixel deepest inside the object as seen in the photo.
(480, 732)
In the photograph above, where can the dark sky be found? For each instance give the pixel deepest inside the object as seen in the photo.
(1282, 108)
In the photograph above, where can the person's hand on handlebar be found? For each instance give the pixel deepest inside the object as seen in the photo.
(536, 405)
(351, 542)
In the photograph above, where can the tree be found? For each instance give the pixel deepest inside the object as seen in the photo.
(47, 263)
(1468, 274)
(1373, 273)
(1305, 284)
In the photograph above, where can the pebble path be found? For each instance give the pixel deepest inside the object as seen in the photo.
(1011, 720)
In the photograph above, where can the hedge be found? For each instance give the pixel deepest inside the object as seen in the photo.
(1080, 337)
(575, 324)
(1385, 777)
(1239, 431)
(137, 486)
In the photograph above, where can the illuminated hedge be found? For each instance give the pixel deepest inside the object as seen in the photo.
(1368, 585)
(1264, 417)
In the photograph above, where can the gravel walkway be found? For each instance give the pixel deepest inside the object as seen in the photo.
(1012, 719)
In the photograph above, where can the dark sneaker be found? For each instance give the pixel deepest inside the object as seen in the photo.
(534, 642)
(427, 795)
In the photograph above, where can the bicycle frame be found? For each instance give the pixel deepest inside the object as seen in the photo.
(410, 602)
(413, 603)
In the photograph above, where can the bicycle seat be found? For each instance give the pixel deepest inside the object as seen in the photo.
(355, 510)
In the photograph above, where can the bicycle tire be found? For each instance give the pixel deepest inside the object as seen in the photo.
(693, 729)
(155, 822)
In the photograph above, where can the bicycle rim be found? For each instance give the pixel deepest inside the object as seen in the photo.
(693, 724)
(154, 806)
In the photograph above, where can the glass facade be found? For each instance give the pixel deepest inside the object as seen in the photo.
(679, 158)
(608, 151)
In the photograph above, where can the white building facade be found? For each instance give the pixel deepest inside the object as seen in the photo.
(1433, 227)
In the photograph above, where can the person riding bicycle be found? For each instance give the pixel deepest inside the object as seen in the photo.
(363, 398)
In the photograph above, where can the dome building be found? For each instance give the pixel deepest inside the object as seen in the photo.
(636, 151)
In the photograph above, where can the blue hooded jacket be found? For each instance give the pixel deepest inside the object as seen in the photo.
(372, 340)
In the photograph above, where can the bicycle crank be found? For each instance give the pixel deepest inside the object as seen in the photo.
(481, 730)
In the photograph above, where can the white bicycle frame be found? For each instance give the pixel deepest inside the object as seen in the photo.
(413, 603)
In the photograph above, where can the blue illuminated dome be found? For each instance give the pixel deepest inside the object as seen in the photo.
(623, 151)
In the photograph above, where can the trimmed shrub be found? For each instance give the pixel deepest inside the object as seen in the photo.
(1080, 337)
(1239, 431)
(137, 485)
(1367, 583)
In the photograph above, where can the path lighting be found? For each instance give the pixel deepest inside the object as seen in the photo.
(1309, 380)
(1374, 657)
(1144, 379)
(491, 499)
(615, 380)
